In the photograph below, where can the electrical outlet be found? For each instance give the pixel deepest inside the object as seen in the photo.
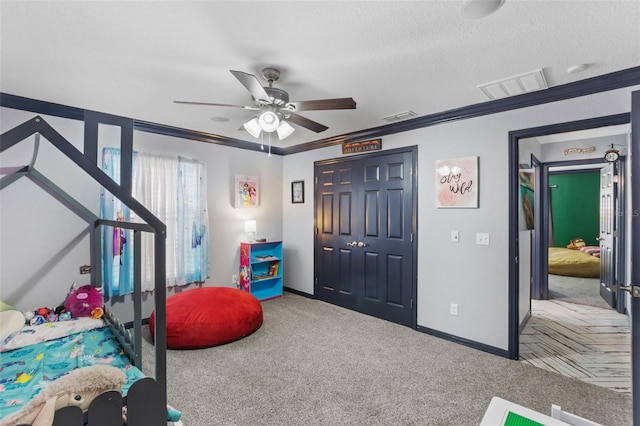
(482, 238)
(234, 279)
(454, 309)
(455, 237)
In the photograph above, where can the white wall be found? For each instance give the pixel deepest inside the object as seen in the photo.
(43, 244)
(474, 277)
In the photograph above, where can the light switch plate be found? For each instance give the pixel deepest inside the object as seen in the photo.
(482, 238)
(455, 237)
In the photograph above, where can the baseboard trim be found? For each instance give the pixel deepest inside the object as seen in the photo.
(299, 293)
(466, 342)
(128, 325)
(450, 337)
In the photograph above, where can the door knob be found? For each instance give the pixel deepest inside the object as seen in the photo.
(361, 244)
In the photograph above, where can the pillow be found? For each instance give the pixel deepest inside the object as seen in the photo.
(11, 322)
(6, 307)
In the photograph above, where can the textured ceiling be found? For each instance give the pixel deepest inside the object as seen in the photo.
(135, 58)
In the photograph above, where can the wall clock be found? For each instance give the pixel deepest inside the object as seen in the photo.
(611, 155)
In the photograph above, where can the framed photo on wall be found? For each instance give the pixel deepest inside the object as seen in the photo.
(457, 183)
(297, 191)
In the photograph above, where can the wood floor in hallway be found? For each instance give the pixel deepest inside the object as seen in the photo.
(585, 342)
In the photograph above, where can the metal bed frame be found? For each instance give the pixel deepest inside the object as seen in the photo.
(146, 399)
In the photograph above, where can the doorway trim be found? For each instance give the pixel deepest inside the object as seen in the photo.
(541, 266)
(514, 139)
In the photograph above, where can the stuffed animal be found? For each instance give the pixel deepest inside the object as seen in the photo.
(85, 301)
(79, 387)
(576, 244)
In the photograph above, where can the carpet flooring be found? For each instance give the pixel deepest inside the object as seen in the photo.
(583, 291)
(312, 363)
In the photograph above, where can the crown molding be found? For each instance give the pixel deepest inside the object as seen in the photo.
(604, 83)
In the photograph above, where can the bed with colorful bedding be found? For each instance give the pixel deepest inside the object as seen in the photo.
(40, 354)
(31, 364)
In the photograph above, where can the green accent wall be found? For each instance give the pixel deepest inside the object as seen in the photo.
(575, 207)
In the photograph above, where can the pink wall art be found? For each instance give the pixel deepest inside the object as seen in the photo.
(457, 183)
(247, 191)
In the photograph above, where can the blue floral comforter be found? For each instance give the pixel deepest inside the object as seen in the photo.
(26, 371)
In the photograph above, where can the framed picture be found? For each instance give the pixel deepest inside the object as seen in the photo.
(247, 189)
(457, 183)
(527, 192)
(297, 191)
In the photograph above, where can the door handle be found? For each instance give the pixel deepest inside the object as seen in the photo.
(599, 239)
(353, 244)
(634, 290)
(361, 244)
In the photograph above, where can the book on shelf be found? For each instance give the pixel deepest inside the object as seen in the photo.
(273, 269)
(265, 257)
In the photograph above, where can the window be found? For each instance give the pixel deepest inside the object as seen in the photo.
(173, 189)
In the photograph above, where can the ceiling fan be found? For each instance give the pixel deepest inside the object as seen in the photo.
(275, 111)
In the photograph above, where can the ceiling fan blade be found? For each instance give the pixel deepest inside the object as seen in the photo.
(214, 104)
(251, 83)
(321, 104)
(306, 123)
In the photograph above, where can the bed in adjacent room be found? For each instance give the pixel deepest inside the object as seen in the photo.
(574, 263)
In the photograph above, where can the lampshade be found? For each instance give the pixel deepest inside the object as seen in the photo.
(268, 121)
(249, 226)
(253, 127)
(284, 130)
(250, 230)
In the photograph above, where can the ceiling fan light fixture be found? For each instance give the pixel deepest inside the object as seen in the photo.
(284, 130)
(269, 121)
(253, 127)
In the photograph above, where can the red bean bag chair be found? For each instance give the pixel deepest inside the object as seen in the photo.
(209, 316)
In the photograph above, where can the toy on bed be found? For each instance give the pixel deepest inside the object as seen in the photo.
(576, 244)
(78, 388)
(85, 301)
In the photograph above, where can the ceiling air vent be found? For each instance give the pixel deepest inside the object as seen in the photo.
(399, 116)
(516, 85)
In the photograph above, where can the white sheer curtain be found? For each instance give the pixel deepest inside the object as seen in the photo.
(173, 189)
(155, 186)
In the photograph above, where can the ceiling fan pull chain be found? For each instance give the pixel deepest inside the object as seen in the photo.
(269, 144)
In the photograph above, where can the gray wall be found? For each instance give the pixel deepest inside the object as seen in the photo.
(525, 236)
(40, 252)
(43, 244)
(480, 285)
